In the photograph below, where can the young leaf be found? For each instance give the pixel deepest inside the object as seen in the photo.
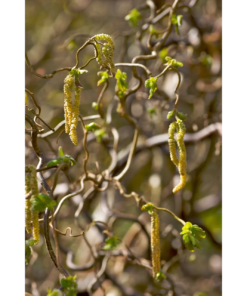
(28, 243)
(160, 276)
(95, 106)
(69, 282)
(121, 81)
(42, 201)
(99, 134)
(111, 243)
(170, 114)
(192, 234)
(92, 127)
(181, 116)
(151, 83)
(60, 151)
(133, 17)
(104, 77)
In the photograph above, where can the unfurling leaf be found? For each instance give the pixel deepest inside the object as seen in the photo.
(170, 114)
(133, 17)
(192, 234)
(148, 207)
(104, 77)
(91, 127)
(121, 81)
(151, 83)
(181, 116)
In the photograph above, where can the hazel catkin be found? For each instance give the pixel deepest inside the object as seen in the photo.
(181, 162)
(155, 243)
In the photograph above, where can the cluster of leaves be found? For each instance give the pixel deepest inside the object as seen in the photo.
(69, 287)
(133, 17)
(151, 83)
(172, 62)
(62, 159)
(177, 21)
(192, 235)
(28, 244)
(111, 243)
(42, 201)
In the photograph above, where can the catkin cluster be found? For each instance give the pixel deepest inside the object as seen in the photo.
(31, 185)
(155, 243)
(181, 162)
(105, 58)
(71, 111)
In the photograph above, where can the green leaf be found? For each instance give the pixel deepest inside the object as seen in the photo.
(95, 106)
(67, 159)
(42, 201)
(92, 127)
(133, 17)
(52, 163)
(160, 276)
(77, 72)
(151, 111)
(121, 81)
(181, 116)
(192, 234)
(174, 19)
(151, 83)
(60, 151)
(170, 114)
(28, 243)
(188, 243)
(69, 282)
(99, 134)
(104, 77)
(111, 243)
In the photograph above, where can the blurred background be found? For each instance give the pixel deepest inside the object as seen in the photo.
(55, 29)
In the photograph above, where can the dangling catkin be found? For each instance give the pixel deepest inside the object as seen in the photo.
(69, 82)
(182, 156)
(181, 163)
(33, 186)
(27, 204)
(71, 112)
(107, 50)
(171, 142)
(155, 243)
(75, 115)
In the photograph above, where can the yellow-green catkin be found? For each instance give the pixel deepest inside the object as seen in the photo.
(155, 243)
(182, 156)
(71, 111)
(171, 141)
(69, 82)
(181, 162)
(32, 185)
(27, 204)
(107, 50)
(75, 115)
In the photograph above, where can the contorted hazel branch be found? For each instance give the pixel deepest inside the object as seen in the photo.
(31, 186)
(181, 162)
